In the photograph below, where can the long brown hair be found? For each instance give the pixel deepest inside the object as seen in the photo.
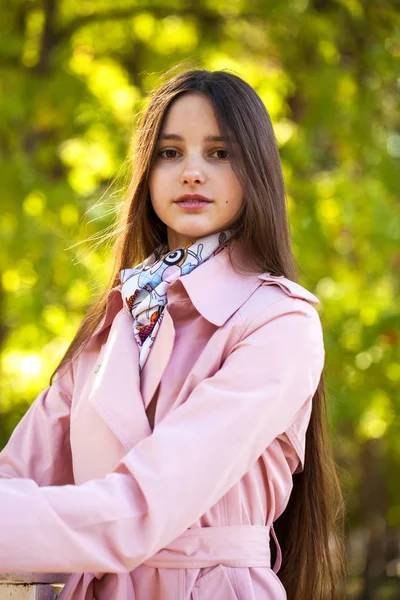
(311, 529)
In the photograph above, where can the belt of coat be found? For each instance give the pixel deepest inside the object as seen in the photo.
(233, 546)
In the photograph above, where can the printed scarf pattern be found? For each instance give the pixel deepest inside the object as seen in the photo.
(144, 287)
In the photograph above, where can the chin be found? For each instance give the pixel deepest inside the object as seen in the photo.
(194, 230)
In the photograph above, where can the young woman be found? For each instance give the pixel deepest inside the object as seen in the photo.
(188, 413)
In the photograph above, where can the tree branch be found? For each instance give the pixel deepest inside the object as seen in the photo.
(49, 37)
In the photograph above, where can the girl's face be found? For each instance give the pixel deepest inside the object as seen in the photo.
(191, 158)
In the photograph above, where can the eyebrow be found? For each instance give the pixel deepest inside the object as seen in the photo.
(174, 136)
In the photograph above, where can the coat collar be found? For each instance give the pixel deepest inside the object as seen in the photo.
(215, 289)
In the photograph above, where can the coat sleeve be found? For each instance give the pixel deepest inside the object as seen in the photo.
(39, 447)
(193, 457)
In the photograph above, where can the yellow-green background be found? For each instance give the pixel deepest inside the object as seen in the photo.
(74, 75)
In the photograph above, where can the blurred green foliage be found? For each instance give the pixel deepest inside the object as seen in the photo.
(74, 77)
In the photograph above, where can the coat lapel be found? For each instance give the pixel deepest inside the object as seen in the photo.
(158, 358)
(115, 391)
(118, 394)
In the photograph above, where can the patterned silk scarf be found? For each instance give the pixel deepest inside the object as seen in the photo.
(144, 287)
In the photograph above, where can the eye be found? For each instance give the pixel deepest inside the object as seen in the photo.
(164, 154)
(222, 150)
(167, 150)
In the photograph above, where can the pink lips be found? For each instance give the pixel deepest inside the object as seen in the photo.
(188, 205)
(192, 201)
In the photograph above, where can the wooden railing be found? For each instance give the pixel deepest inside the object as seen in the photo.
(31, 586)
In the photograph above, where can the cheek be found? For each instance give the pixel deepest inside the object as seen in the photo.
(237, 196)
(158, 182)
(234, 185)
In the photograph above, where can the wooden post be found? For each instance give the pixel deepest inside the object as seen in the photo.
(30, 586)
(25, 591)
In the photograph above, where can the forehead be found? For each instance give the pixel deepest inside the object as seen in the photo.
(189, 112)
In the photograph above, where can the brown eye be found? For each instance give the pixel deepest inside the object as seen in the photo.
(223, 151)
(167, 150)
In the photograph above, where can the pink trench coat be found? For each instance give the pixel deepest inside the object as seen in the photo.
(182, 512)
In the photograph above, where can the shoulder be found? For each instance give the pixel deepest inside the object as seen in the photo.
(276, 297)
(282, 286)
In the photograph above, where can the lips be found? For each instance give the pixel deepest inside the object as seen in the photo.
(193, 198)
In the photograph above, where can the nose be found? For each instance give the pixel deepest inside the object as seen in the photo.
(192, 171)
